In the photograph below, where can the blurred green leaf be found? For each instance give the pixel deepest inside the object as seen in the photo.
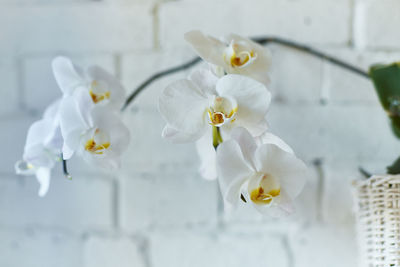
(394, 168)
(386, 79)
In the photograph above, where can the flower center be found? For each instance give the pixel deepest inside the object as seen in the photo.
(222, 110)
(238, 56)
(98, 143)
(266, 191)
(98, 91)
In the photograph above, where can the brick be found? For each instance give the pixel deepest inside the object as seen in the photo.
(166, 200)
(302, 127)
(345, 87)
(201, 249)
(92, 26)
(138, 66)
(376, 24)
(109, 251)
(13, 135)
(39, 86)
(334, 131)
(77, 205)
(320, 245)
(359, 132)
(295, 76)
(9, 90)
(309, 20)
(38, 248)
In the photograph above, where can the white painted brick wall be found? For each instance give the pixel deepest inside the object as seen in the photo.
(157, 211)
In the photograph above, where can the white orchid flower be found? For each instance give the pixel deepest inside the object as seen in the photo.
(97, 134)
(233, 55)
(43, 148)
(102, 87)
(208, 155)
(267, 176)
(191, 106)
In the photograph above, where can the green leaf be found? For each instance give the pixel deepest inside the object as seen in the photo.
(386, 79)
(395, 168)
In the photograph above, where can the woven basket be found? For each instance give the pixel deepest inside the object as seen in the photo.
(377, 209)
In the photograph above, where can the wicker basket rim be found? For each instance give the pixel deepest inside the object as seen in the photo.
(377, 179)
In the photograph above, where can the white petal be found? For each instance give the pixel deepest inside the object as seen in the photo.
(43, 177)
(208, 157)
(253, 98)
(107, 120)
(67, 152)
(183, 106)
(259, 68)
(109, 123)
(290, 170)
(72, 125)
(269, 138)
(283, 209)
(22, 168)
(66, 75)
(35, 152)
(178, 137)
(84, 103)
(233, 171)
(207, 47)
(117, 91)
(52, 111)
(205, 79)
(247, 144)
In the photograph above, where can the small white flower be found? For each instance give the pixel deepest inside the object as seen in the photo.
(235, 55)
(267, 176)
(207, 153)
(97, 134)
(43, 148)
(191, 106)
(102, 87)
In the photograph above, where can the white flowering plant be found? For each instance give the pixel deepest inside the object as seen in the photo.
(221, 106)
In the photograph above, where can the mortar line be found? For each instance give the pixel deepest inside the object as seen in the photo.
(155, 12)
(289, 250)
(115, 203)
(318, 163)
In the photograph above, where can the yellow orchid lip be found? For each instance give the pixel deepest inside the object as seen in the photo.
(97, 94)
(236, 56)
(268, 188)
(222, 110)
(259, 196)
(94, 147)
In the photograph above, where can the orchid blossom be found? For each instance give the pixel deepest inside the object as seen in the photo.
(97, 134)
(43, 148)
(233, 55)
(266, 176)
(191, 106)
(103, 88)
(207, 153)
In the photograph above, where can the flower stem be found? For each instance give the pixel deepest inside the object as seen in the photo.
(65, 168)
(217, 138)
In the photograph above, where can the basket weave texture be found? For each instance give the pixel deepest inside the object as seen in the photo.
(377, 210)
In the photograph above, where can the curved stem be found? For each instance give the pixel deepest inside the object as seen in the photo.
(312, 51)
(260, 40)
(157, 76)
(65, 169)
